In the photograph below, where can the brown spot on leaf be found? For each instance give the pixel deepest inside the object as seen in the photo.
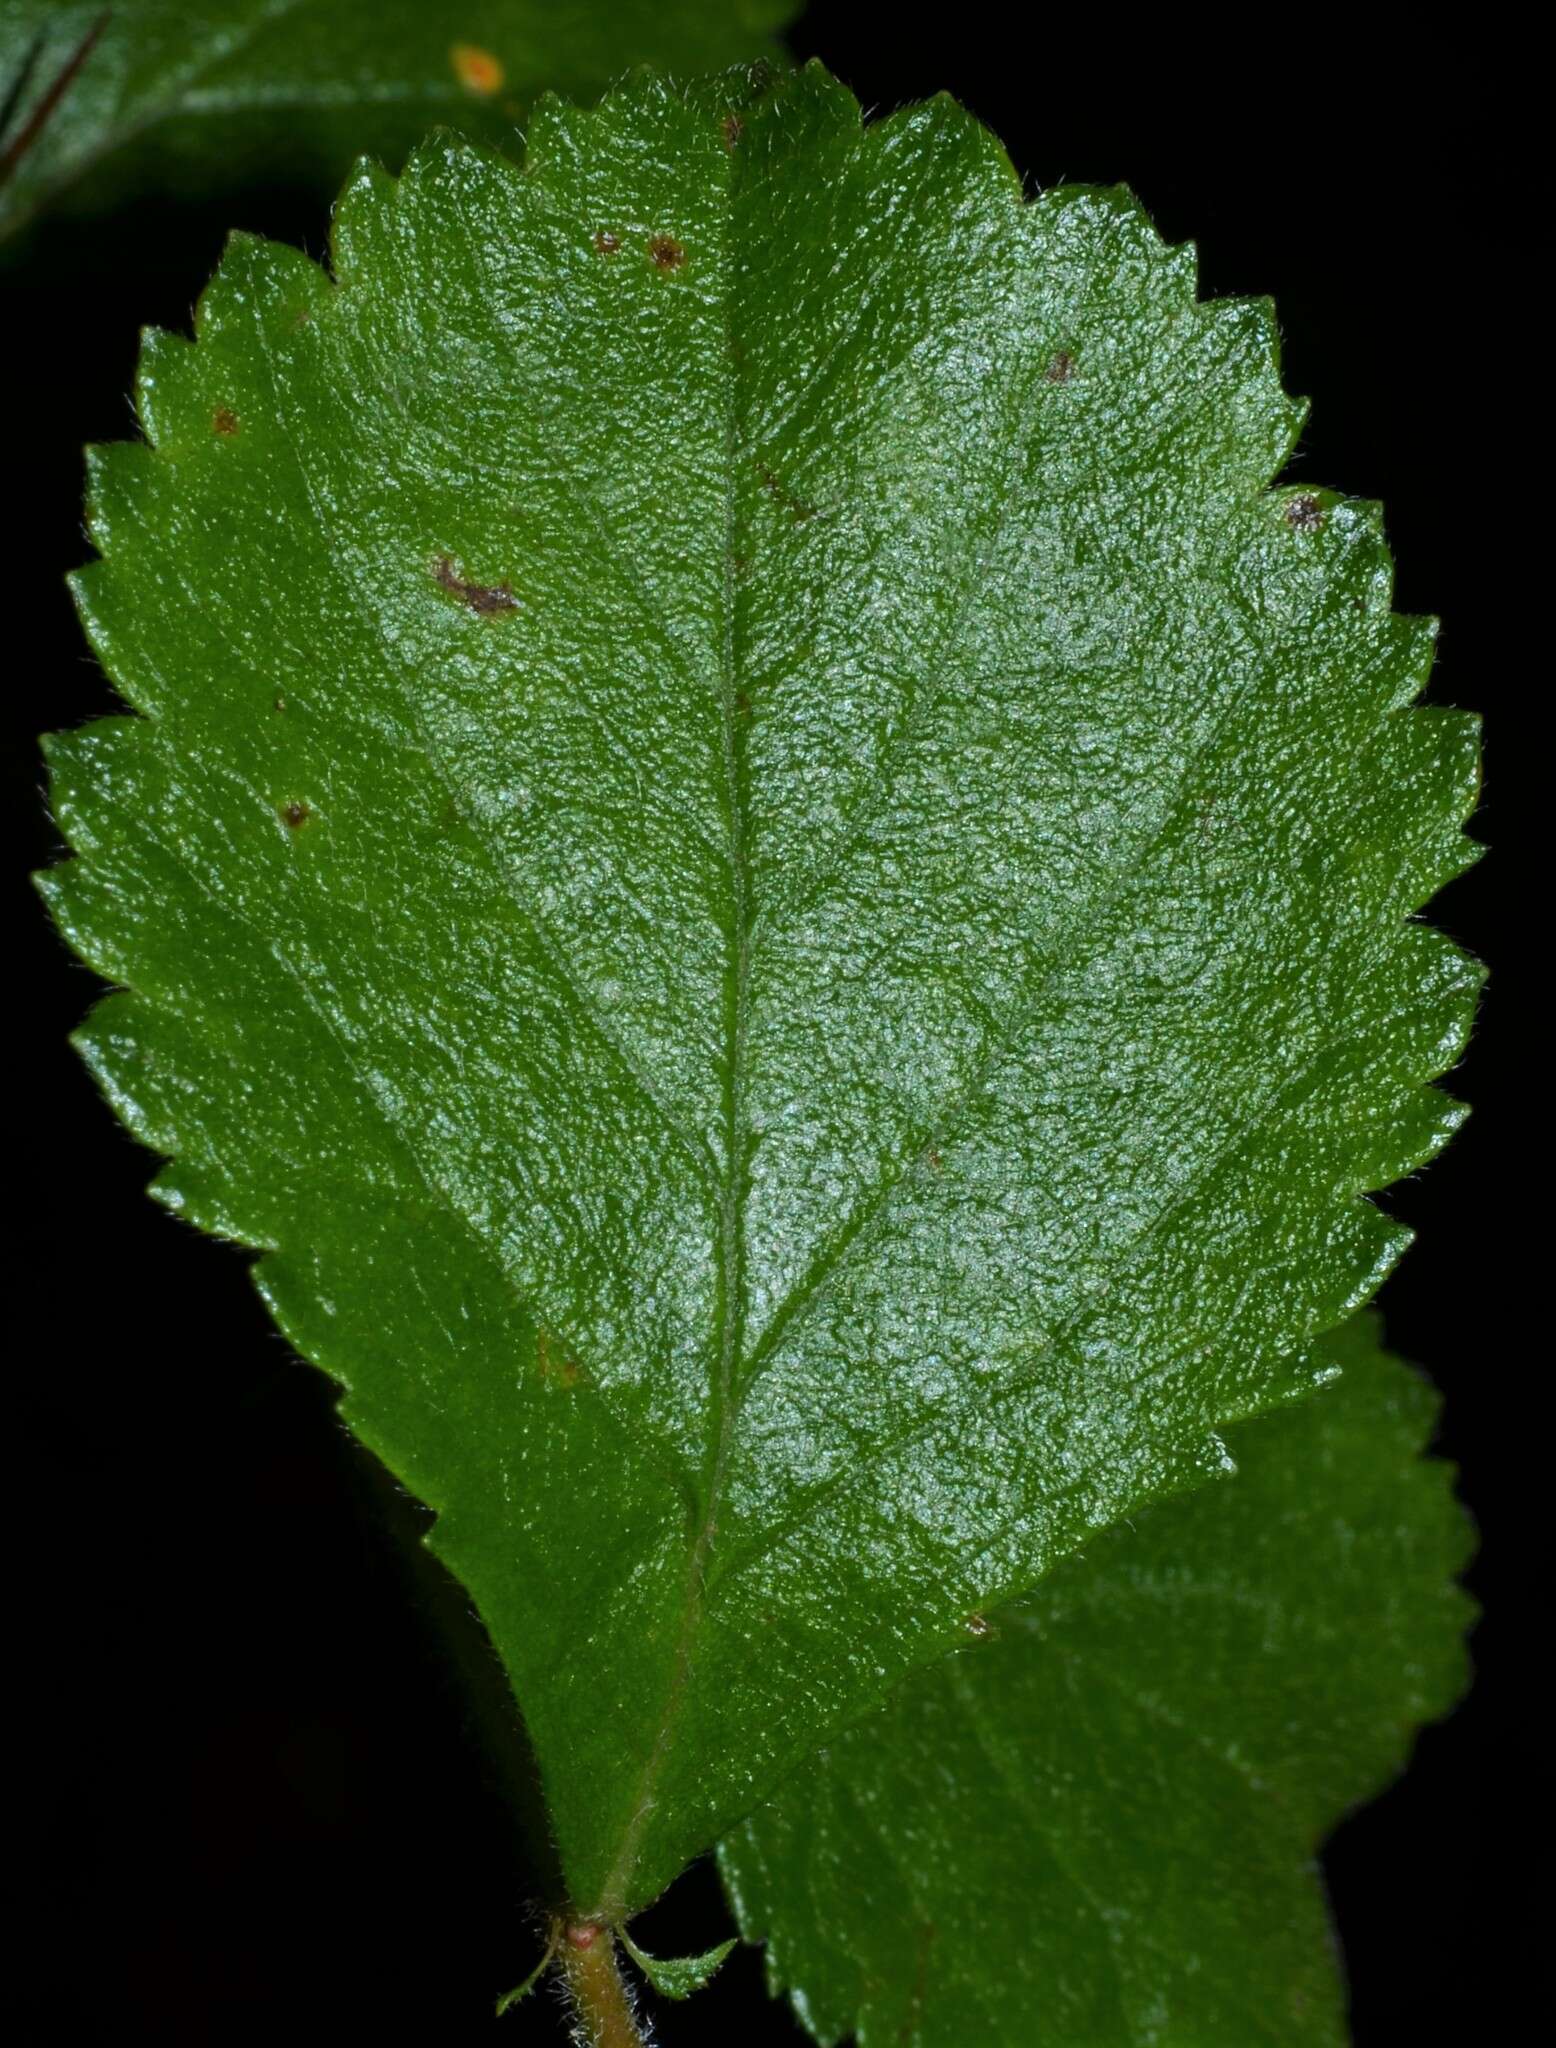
(798, 509)
(933, 1160)
(555, 1365)
(925, 1936)
(666, 252)
(1304, 514)
(481, 597)
(224, 420)
(976, 1625)
(280, 702)
(742, 703)
(1061, 367)
(296, 814)
(605, 243)
(732, 128)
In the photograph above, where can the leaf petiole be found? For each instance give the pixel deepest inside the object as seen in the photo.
(596, 1988)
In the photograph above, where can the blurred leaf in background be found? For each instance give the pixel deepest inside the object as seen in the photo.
(103, 102)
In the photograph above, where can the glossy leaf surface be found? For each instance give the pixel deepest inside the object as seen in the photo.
(772, 878)
(163, 94)
(1098, 1825)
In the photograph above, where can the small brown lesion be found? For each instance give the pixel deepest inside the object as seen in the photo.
(557, 1367)
(799, 509)
(977, 1625)
(732, 128)
(224, 421)
(933, 1160)
(605, 242)
(926, 1934)
(666, 251)
(1304, 513)
(484, 598)
(296, 814)
(1060, 368)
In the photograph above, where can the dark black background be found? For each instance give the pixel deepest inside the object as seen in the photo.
(261, 1806)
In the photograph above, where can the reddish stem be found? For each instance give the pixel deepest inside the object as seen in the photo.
(33, 127)
(599, 1994)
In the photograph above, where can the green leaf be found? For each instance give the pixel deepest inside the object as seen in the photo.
(772, 879)
(1099, 1824)
(156, 93)
(681, 1976)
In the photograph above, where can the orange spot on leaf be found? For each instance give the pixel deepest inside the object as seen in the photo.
(477, 70)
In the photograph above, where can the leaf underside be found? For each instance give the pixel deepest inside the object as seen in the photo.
(1098, 1824)
(773, 878)
(159, 94)
(679, 1976)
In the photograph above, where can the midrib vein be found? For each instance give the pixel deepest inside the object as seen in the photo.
(731, 1250)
